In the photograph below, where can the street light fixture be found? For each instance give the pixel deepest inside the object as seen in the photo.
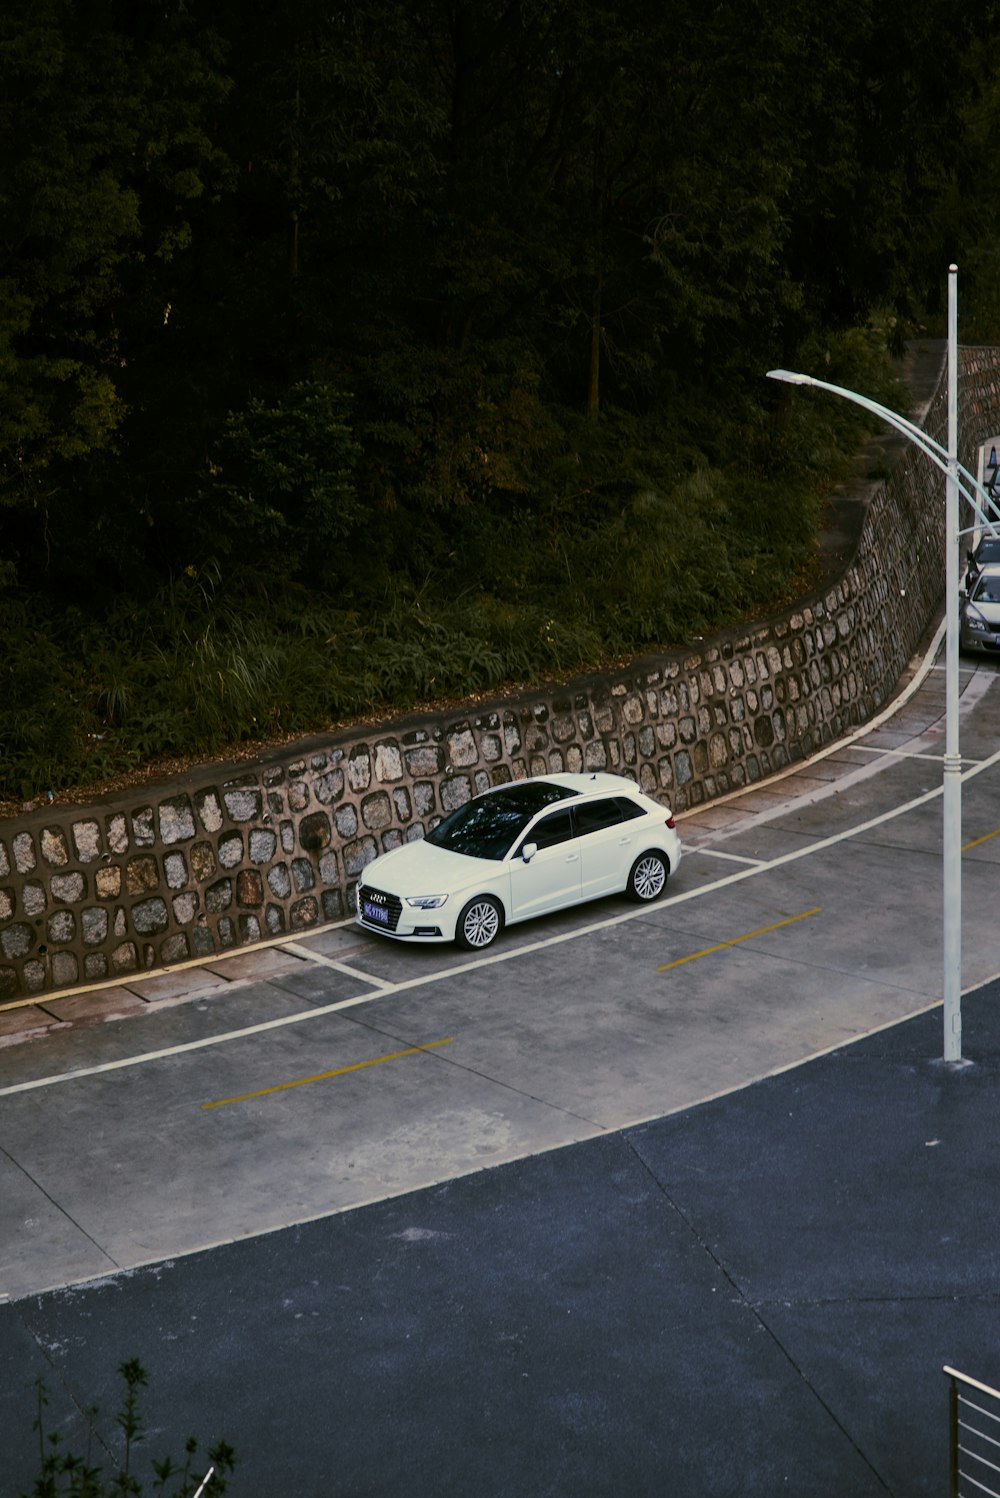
(980, 501)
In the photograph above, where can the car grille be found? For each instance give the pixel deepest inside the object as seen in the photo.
(391, 904)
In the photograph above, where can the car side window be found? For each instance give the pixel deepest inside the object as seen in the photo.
(629, 809)
(593, 816)
(557, 827)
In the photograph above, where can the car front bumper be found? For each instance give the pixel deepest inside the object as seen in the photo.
(386, 914)
(986, 643)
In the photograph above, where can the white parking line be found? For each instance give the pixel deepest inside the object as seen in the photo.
(340, 967)
(878, 753)
(718, 853)
(509, 954)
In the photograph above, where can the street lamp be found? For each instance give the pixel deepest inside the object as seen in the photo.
(974, 493)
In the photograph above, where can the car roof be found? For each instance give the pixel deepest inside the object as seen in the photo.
(599, 782)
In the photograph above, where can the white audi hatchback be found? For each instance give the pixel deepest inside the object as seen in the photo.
(518, 851)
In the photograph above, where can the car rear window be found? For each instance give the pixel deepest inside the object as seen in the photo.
(593, 815)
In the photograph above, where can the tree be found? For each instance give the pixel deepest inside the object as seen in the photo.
(282, 494)
(104, 149)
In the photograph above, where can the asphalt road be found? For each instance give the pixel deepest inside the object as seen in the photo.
(663, 1200)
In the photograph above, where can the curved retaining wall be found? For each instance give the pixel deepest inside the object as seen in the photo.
(231, 856)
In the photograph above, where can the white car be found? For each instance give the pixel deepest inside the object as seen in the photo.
(518, 851)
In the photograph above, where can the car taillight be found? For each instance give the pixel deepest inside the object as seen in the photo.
(671, 823)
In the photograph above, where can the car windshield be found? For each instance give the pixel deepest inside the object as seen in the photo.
(987, 590)
(488, 826)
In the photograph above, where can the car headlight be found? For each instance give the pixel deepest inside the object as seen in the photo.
(975, 622)
(426, 902)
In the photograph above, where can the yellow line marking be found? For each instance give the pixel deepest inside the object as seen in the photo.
(323, 1076)
(720, 946)
(977, 840)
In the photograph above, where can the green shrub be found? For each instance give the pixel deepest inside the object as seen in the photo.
(66, 1474)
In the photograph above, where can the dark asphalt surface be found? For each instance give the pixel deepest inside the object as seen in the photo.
(751, 1297)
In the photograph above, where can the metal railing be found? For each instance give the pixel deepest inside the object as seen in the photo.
(974, 1421)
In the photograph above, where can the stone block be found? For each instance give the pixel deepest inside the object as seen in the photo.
(243, 803)
(388, 762)
(455, 792)
(263, 844)
(24, 852)
(209, 809)
(346, 818)
(34, 900)
(329, 787)
(150, 916)
(68, 887)
(176, 820)
(54, 848)
(314, 832)
(376, 811)
(141, 875)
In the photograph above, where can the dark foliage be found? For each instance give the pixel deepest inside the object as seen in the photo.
(352, 357)
(63, 1473)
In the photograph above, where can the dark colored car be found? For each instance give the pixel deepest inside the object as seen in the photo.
(985, 554)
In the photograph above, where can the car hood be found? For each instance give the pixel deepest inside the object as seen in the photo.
(422, 869)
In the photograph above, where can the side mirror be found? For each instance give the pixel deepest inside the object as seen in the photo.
(528, 851)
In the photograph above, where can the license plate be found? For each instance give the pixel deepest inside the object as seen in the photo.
(375, 913)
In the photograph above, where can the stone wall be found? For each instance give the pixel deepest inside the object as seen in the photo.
(231, 856)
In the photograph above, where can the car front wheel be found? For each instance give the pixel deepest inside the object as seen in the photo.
(479, 923)
(647, 878)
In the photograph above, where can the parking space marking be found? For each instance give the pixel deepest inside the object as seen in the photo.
(323, 1076)
(978, 841)
(718, 853)
(339, 967)
(735, 940)
(883, 753)
(509, 954)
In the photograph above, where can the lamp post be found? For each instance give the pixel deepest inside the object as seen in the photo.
(947, 461)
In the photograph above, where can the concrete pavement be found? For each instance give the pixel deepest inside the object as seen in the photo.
(749, 1296)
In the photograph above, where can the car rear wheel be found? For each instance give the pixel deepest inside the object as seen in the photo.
(647, 878)
(479, 923)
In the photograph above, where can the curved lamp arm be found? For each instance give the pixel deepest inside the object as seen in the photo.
(929, 445)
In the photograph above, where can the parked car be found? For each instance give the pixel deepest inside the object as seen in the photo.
(980, 612)
(517, 851)
(986, 552)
